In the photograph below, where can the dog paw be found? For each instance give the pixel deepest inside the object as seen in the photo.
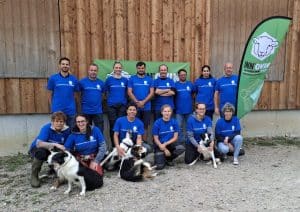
(53, 188)
(154, 174)
(82, 193)
(67, 192)
(215, 166)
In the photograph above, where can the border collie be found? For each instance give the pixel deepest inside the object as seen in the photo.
(204, 144)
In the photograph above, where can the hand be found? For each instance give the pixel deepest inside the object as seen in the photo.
(121, 151)
(162, 147)
(93, 165)
(231, 148)
(199, 149)
(167, 153)
(59, 146)
(226, 140)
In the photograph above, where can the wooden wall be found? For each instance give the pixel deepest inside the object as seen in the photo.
(168, 30)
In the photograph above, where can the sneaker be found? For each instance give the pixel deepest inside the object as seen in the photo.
(235, 161)
(170, 163)
(192, 163)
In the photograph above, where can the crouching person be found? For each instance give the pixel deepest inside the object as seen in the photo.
(53, 134)
(197, 125)
(87, 144)
(228, 133)
(165, 135)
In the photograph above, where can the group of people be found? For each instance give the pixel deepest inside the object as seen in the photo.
(131, 101)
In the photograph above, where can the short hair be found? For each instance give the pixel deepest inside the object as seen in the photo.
(229, 107)
(64, 58)
(181, 70)
(165, 106)
(205, 66)
(131, 104)
(94, 64)
(140, 63)
(117, 62)
(163, 65)
(199, 103)
(59, 115)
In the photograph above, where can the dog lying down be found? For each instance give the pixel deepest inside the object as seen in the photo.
(134, 168)
(68, 168)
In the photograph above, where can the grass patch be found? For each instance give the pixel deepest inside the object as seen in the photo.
(12, 163)
(274, 141)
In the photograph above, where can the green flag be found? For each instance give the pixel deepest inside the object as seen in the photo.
(260, 51)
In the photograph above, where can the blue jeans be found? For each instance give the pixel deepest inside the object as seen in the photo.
(182, 121)
(237, 142)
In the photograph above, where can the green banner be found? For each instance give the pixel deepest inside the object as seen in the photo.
(260, 51)
(106, 68)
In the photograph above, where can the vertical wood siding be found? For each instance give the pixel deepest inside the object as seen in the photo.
(196, 31)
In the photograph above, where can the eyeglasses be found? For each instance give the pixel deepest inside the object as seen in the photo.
(201, 108)
(81, 121)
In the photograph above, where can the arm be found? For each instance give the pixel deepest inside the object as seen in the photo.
(121, 152)
(172, 140)
(216, 101)
(101, 152)
(190, 136)
(139, 140)
(161, 146)
(131, 95)
(48, 145)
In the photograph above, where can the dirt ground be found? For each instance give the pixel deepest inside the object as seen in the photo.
(267, 179)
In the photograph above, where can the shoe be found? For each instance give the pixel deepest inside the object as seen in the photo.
(242, 152)
(170, 163)
(192, 163)
(235, 161)
(35, 170)
(223, 157)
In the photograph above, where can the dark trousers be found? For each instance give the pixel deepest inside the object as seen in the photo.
(40, 153)
(114, 112)
(191, 153)
(97, 120)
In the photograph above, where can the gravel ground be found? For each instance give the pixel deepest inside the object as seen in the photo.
(268, 178)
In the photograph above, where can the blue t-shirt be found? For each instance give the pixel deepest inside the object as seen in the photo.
(63, 89)
(78, 143)
(183, 97)
(91, 95)
(163, 83)
(141, 89)
(227, 87)
(165, 129)
(48, 134)
(116, 89)
(227, 128)
(198, 127)
(122, 126)
(205, 90)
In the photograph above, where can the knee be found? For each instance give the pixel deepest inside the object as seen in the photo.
(238, 138)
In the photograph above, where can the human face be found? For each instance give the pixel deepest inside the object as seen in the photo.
(92, 72)
(166, 113)
(64, 66)
(182, 76)
(131, 112)
(81, 123)
(141, 70)
(205, 72)
(228, 114)
(228, 69)
(58, 124)
(200, 110)
(163, 70)
(118, 68)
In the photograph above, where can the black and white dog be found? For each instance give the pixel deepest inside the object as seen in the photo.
(134, 168)
(68, 168)
(204, 144)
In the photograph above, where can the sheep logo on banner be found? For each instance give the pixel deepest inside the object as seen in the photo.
(263, 46)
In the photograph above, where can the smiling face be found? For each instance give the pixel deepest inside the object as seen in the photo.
(117, 68)
(205, 72)
(131, 112)
(64, 66)
(163, 71)
(166, 113)
(200, 110)
(228, 114)
(81, 123)
(228, 69)
(58, 124)
(92, 72)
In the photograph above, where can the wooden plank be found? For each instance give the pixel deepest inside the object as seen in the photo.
(132, 29)
(188, 7)
(40, 100)
(207, 30)
(145, 29)
(2, 97)
(108, 24)
(27, 96)
(2, 42)
(178, 32)
(119, 29)
(96, 22)
(13, 98)
(156, 30)
(167, 33)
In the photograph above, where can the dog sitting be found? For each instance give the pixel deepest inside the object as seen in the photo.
(134, 168)
(203, 149)
(68, 168)
(112, 160)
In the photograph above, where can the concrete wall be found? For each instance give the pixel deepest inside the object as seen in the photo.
(18, 131)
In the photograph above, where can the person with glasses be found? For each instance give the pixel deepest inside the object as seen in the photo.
(87, 143)
(205, 90)
(184, 90)
(197, 124)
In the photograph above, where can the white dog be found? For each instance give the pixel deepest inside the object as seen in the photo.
(68, 168)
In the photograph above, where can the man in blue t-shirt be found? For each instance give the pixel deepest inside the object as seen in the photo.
(51, 135)
(92, 89)
(183, 102)
(164, 90)
(140, 91)
(62, 87)
(226, 89)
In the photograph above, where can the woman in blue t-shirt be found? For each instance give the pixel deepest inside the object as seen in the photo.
(228, 133)
(165, 135)
(86, 143)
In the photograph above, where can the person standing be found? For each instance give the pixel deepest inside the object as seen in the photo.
(116, 93)
(62, 87)
(226, 89)
(141, 91)
(53, 134)
(183, 102)
(205, 89)
(164, 90)
(92, 88)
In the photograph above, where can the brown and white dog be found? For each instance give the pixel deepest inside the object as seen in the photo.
(134, 168)
(68, 168)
